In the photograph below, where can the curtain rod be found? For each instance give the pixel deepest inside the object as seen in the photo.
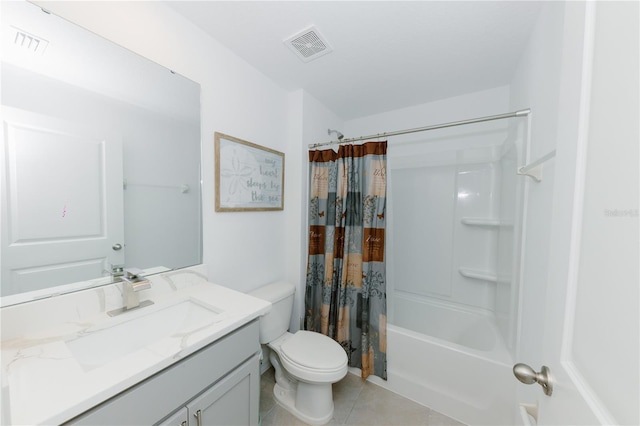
(521, 113)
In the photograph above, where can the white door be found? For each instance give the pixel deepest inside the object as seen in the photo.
(591, 327)
(62, 202)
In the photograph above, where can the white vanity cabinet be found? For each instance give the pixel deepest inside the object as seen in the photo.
(218, 385)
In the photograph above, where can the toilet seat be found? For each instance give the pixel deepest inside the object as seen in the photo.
(312, 357)
(314, 350)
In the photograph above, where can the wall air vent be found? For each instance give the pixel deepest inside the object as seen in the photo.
(308, 44)
(28, 42)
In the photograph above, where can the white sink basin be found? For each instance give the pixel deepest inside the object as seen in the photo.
(132, 331)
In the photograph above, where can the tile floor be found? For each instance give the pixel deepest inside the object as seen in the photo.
(357, 402)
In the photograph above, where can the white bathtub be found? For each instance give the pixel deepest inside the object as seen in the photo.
(457, 364)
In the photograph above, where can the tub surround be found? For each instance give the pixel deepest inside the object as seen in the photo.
(45, 380)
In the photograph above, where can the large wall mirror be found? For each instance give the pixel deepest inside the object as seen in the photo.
(100, 160)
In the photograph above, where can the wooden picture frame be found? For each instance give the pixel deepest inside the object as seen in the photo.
(249, 177)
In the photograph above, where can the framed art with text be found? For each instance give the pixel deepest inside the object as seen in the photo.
(249, 177)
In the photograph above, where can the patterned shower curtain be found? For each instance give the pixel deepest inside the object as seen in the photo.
(346, 295)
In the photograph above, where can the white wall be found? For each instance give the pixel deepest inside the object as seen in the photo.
(241, 250)
(471, 105)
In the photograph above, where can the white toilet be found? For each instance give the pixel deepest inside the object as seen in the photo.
(306, 363)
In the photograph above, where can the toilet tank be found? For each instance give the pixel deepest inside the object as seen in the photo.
(275, 323)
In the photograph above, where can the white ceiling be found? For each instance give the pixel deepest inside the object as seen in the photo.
(387, 54)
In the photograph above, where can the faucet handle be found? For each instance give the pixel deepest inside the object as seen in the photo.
(133, 272)
(116, 270)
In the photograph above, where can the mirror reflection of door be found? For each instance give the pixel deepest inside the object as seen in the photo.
(62, 202)
(79, 77)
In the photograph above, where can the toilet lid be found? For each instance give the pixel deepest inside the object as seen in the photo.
(314, 350)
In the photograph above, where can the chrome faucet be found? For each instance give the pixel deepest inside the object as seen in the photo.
(132, 283)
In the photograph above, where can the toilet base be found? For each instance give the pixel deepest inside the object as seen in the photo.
(316, 397)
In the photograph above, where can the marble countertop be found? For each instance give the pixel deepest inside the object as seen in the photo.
(46, 381)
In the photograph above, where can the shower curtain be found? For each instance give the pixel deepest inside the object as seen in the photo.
(345, 295)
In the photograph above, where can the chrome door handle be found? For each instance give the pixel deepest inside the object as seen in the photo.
(528, 376)
(116, 247)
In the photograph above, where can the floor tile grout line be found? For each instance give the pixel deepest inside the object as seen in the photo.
(355, 401)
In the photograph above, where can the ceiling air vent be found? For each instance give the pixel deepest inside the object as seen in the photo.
(308, 44)
(29, 42)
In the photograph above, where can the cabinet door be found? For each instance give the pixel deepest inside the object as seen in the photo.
(234, 400)
(180, 418)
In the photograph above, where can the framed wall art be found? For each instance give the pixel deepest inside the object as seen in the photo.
(249, 177)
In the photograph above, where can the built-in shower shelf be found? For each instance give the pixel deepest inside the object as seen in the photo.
(484, 221)
(478, 274)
